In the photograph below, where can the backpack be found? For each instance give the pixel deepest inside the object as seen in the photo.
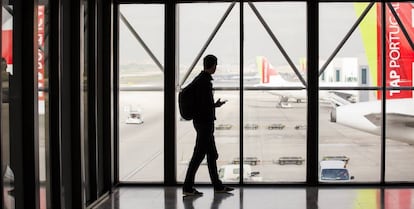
(187, 101)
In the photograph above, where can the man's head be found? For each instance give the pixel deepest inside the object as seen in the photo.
(210, 63)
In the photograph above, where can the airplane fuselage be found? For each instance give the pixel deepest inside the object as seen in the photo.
(366, 116)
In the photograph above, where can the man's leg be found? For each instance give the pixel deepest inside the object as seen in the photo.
(193, 166)
(198, 156)
(212, 169)
(212, 156)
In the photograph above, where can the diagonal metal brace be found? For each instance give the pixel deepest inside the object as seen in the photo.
(146, 48)
(276, 41)
(203, 49)
(345, 39)
(404, 30)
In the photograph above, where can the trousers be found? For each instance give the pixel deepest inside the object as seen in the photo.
(205, 146)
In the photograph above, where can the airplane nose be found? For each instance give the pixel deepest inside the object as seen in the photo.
(333, 115)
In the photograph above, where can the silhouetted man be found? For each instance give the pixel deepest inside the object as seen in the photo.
(204, 125)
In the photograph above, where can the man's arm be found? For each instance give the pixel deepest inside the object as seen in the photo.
(219, 102)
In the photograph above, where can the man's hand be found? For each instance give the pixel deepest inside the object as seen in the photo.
(219, 103)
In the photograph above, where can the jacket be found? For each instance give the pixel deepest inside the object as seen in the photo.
(205, 107)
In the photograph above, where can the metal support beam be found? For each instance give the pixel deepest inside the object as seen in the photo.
(24, 127)
(241, 93)
(384, 91)
(71, 115)
(170, 169)
(313, 93)
(54, 191)
(115, 53)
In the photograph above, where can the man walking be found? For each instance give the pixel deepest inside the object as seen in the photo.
(204, 125)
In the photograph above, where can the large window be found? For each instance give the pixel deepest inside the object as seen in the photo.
(141, 103)
(359, 48)
(210, 29)
(275, 99)
(344, 54)
(364, 120)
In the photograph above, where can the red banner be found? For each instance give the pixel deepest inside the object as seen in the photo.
(40, 51)
(7, 46)
(399, 54)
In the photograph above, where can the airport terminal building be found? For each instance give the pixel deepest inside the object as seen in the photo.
(319, 107)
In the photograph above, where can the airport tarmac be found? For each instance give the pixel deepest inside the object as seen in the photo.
(141, 145)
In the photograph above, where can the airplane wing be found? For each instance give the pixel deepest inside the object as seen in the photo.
(375, 118)
(344, 95)
(338, 98)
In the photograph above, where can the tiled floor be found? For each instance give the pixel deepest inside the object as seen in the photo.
(261, 198)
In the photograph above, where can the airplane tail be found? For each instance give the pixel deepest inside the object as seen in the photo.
(268, 73)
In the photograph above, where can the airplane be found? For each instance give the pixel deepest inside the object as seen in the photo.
(367, 116)
(270, 77)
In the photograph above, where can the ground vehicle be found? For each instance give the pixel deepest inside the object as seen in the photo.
(223, 127)
(334, 171)
(134, 118)
(232, 173)
(336, 157)
(247, 160)
(276, 126)
(290, 160)
(251, 126)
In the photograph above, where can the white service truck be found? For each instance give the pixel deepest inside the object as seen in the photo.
(231, 173)
(334, 171)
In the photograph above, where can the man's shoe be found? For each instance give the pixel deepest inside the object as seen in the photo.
(192, 192)
(224, 189)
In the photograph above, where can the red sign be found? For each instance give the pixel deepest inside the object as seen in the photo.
(7, 45)
(399, 54)
(40, 51)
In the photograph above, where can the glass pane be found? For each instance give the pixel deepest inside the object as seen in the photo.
(6, 74)
(43, 98)
(348, 45)
(349, 137)
(400, 138)
(197, 23)
(349, 57)
(398, 75)
(141, 95)
(274, 97)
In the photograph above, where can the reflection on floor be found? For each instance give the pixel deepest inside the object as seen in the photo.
(262, 198)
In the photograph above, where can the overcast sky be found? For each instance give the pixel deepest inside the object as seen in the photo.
(197, 21)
